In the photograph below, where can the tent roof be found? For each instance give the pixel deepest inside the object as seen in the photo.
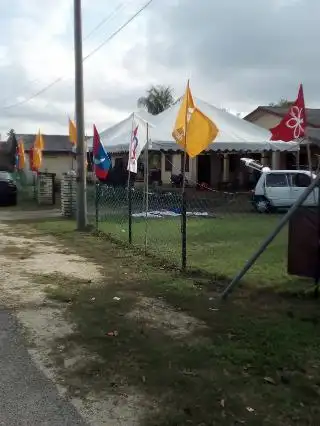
(235, 134)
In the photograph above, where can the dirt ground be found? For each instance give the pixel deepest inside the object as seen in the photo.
(27, 259)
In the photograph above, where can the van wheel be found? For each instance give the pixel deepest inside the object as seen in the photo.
(262, 205)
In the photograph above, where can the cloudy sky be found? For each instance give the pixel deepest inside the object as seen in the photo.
(238, 54)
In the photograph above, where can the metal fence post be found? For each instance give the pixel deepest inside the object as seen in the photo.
(130, 211)
(317, 277)
(184, 232)
(97, 199)
(34, 181)
(284, 220)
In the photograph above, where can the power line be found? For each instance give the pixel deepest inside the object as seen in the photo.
(53, 83)
(106, 19)
(101, 23)
(118, 30)
(25, 86)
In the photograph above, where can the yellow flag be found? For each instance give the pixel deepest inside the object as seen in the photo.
(39, 143)
(21, 155)
(186, 108)
(36, 159)
(193, 130)
(72, 132)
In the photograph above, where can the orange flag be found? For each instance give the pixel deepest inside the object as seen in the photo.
(21, 155)
(37, 149)
(72, 132)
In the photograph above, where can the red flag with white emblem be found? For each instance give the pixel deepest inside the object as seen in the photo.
(293, 124)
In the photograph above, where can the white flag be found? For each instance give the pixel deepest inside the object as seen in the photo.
(137, 143)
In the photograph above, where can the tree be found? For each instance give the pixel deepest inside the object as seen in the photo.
(12, 146)
(11, 133)
(157, 99)
(283, 103)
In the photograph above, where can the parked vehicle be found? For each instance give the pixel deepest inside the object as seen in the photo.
(280, 189)
(8, 190)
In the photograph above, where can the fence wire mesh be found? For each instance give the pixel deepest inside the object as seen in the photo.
(222, 227)
(26, 188)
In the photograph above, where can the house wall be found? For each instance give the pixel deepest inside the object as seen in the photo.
(57, 164)
(176, 168)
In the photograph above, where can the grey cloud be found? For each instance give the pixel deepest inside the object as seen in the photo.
(251, 51)
(240, 53)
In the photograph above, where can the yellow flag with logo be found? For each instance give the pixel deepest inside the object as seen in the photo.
(193, 130)
(72, 132)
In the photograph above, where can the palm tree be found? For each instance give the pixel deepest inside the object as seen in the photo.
(158, 99)
(283, 103)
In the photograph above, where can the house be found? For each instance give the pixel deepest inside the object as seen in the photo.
(269, 116)
(58, 154)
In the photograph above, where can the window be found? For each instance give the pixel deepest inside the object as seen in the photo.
(300, 180)
(276, 180)
(168, 162)
(154, 160)
(187, 162)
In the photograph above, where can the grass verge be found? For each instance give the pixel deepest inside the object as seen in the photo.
(253, 360)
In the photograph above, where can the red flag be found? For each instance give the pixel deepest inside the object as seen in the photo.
(101, 158)
(293, 124)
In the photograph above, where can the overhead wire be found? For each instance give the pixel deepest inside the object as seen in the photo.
(106, 19)
(100, 24)
(57, 80)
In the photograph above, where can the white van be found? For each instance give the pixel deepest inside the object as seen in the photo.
(279, 189)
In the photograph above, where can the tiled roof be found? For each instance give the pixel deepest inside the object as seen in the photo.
(52, 143)
(313, 114)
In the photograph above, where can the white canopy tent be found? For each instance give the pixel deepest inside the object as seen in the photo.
(235, 134)
(119, 135)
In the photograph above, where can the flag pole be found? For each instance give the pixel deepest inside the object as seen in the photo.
(129, 187)
(146, 187)
(184, 201)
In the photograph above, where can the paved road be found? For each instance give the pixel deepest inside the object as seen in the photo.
(27, 397)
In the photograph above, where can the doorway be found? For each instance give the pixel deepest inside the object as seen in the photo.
(204, 169)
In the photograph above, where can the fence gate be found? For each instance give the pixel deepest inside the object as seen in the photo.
(46, 189)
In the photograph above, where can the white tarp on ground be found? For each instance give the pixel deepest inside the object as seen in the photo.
(235, 134)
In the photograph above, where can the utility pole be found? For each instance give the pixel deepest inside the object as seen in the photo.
(81, 151)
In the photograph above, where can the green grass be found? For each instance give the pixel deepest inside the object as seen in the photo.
(259, 351)
(219, 246)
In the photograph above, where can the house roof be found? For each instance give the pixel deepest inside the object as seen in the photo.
(52, 143)
(313, 114)
(313, 119)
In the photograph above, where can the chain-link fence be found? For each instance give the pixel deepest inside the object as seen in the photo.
(26, 187)
(222, 228)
